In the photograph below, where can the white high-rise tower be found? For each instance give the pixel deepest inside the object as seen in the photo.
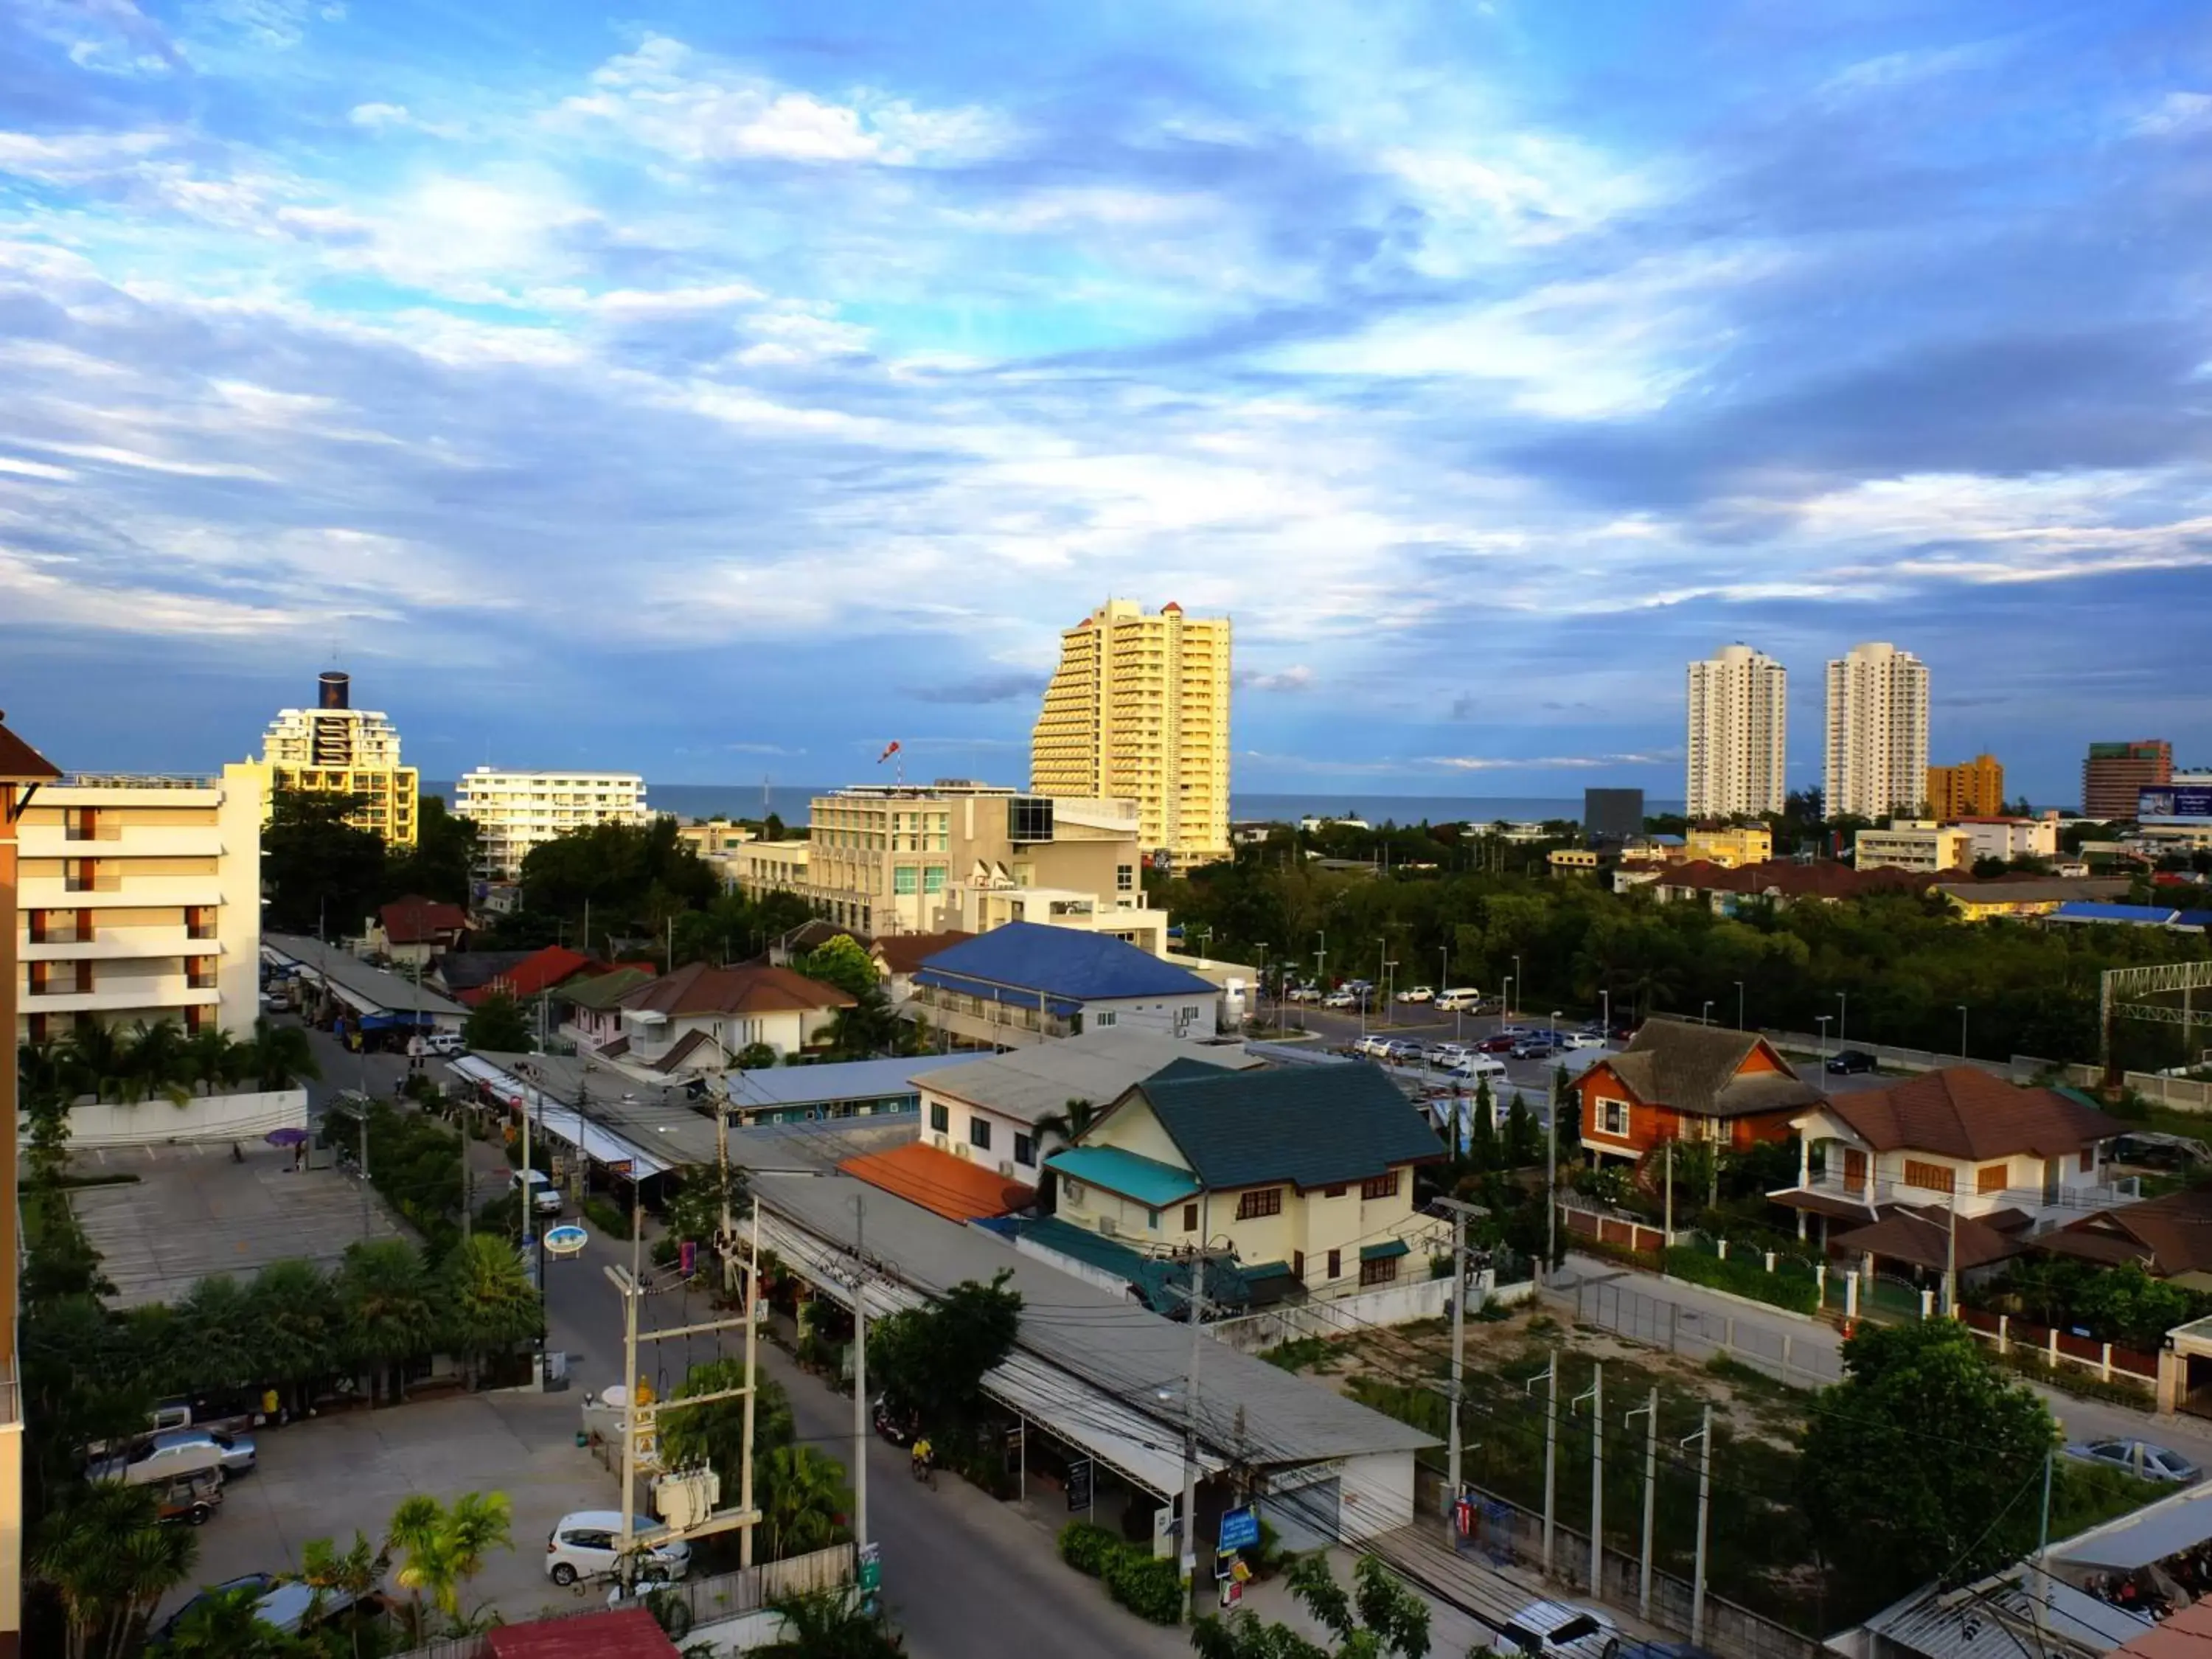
(1877, 732)
(1739, 728)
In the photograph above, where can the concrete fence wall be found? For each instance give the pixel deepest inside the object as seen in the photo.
(2181, 1094)
(160, 1122)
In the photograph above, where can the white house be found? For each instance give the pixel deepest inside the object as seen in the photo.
(698, 1017)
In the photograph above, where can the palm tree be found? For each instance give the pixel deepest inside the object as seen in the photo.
(109, 1560)
(489, 1303)
(384, 1301)
(296, 1326)
(218, 1335)
(830, 1625)
(444, 1547)
(280, 1055)
(227, 1625)
(803, 1501)
(216, 1058)
(354, 1574)
(92, 1061)
(157, 1062)
(1066, 1125)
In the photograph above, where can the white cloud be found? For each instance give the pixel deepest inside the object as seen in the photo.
(2177, 115)
(668, 97)
(140, 461)
(53, 594)
(393, 117)
(76, 157)
(23, 469)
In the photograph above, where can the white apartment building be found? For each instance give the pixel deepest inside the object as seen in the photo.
(1917, 844)
(1877, 759)
(514, 811)
(139, 898)
(1739, 730)
(2010, 838)
(335, 749)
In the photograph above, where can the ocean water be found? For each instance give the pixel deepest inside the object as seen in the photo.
(790, 803)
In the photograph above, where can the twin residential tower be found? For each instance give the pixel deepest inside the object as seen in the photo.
(1877, 733)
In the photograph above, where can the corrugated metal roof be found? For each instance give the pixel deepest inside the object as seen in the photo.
(1147, 1180)
(372, 988)
(1066, 965)
(1247, 1409)
(816, 1086)
(1031, 1084)
(1314, 1127)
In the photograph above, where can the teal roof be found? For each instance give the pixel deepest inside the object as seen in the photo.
(1382, 1252)
(1162, 1283)
(1260, 1271)
(1315, 1126)
(1147, 1180)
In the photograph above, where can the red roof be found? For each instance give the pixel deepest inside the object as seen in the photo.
(541, 971)
(904, 953)
(415, 920)
(21, 763)
(695, 988)
(954, 1188)
(1964, 1112)
(623, 1633)
(1788, 880)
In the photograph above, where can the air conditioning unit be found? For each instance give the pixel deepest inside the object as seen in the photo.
(964, 1150)
(1107, 1227)
(1005, 1169)
(943, 1143)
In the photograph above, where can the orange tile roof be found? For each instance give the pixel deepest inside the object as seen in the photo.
(953, 1187)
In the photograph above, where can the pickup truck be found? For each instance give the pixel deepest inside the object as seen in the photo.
(181, 1414)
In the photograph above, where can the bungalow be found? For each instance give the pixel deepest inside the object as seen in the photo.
(698, 1018)
(1308, 1172)
(898, 958)
(414, 930)
(1953, 1169)
(521, 974)
(1676, 1081)
(1027, 982)
(2170, 1236)
(591, 1010)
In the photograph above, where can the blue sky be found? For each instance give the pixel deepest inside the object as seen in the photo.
(720, 390)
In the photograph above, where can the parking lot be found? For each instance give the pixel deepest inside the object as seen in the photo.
(194, 1211)
(327, 1476)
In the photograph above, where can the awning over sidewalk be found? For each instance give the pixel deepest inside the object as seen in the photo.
(614, 1152)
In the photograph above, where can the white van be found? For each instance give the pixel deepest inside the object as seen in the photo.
(1459, 1000)
(1477, 1066)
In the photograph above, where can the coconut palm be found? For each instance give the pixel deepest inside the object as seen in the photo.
(280, 1055)
(296, 1326)
(803, 1501)
(158, 1062)
(830, 1625)
(1066, 1125)
(217, 1059)
(385, 1306)
(109, 1560)
(92, 1061)
(354, 1574)
(218, 1334)
(489, 1302)
(227, 1625)
(442, 1548)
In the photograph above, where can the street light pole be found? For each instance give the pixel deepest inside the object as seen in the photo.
(1739, 1004)
(1551, 1178)
(1705, 1013)
(1822, 1021)
(1842, 1017)
(1962, 1031)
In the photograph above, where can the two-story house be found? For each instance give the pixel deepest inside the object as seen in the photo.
(697, 1019)
(415, 931)
(590, 1009)
(1955, 1169)
(1307, 1173)
(1676, 1081)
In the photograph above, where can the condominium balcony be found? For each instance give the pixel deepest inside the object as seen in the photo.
(124, 840)
(45, 892)
(127, 1000)
(121, 944)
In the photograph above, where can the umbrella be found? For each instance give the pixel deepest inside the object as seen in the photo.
(286, 1136)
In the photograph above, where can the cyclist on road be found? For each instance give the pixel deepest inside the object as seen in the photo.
(923, 1455)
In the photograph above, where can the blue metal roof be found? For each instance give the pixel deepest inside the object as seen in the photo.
(2084, 910)
(1069, 967)
(1147, 1180)
(855, 1079)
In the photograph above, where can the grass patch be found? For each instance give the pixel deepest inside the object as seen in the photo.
(1299, 1354)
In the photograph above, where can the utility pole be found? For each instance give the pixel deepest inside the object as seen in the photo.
(1551, 1186)
(1550, 1379)
(1951, 1253)
(752, 1344)
(1595, 1396)
(860, 1371)
(1649, 1412)
(1200, 1254)
(1704, 1437)
(1461, 1211)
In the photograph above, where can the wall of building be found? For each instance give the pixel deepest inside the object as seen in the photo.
(160, 1122)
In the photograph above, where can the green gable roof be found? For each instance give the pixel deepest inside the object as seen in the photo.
(1311, 1126)
(605, 991)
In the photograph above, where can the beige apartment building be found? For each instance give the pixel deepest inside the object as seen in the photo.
(514, 811)
(1739, 729)
(139, 898)
(1917, 844)
(1139, 709)
(1877, 757)
(335, 749)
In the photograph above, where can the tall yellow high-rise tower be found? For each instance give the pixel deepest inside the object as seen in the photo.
(336, 749)
(1139, 709)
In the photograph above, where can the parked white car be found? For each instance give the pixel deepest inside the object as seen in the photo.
(184, 1451)
(583, 1546)
(1474, 1068)
(1581, 1039)
(1373, 1048)
(1459, 1000)
(1418, 993)
(544, 1196)
(444, 1044)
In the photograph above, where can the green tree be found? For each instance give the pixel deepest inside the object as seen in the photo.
(386, 1309)
(216, 1059)
(830, 1625)
(354, 1574)
(756, 1057)
(296, 1326)
(497, 1025)
(1482, 1149)
(803, 1501)
(841, 962)
(714, 1433)
(442, 1546)
(934, 1357)
(227, 1625)
(1920, 1461)
(1377, 1619)
(486, 1302)
(108, 1560)
(321, 874)
(870, 1027)
(441, 865)
(1061, 1128)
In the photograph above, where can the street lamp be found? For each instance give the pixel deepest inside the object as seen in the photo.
(1605, 1002)
(1519, 983)
(1505, 997)
(1705, 1013)
(1259, 996)
(1822, 1020)
(1843, 1015)
(1962, 1031)
(1739, 1004)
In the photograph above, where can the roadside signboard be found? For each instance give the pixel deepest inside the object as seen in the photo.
(872, 1568)
(1240, 1529)
(1079, 1484)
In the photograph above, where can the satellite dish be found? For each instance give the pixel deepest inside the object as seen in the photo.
(565, 1240)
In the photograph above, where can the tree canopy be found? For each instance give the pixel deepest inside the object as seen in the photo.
(322, 874)
(840, 962)
(934, 1357)
(1377, 1619)
(1925, 1461)
(498, 1026)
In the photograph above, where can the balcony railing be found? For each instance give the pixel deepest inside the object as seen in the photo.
(1887, 1189)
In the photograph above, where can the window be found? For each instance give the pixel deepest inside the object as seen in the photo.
(1190, 1218)
(199, 921)
(1332, 1191)
(932, 878)
(1336, 1264)
(1072, 1191)
(1383, 1186)
(79, 874)
(903, 880)
(2089, 1160)
(199, 973)
(1152, 1220)
(81, 824)
(1990, 1178)
(1260, 1201)
(1931, 1177)
(1382, 1272)
(979, 1132)
(940, 1116)
(1125, 878)
(1612, 1118)
(1106, 1016)
(1298, 1265)
(1024, 1148)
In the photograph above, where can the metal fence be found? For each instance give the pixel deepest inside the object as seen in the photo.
(1806, 1361)
(2182, 1094)
(709, 1601)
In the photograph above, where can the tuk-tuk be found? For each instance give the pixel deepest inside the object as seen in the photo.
(190, 1499)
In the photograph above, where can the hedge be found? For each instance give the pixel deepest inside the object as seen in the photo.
(1086, 1547)
(1788, 1287)
(1149, 1589)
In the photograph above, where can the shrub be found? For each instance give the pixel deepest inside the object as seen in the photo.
(1789, 1286)
(1087, 1548)
(1152, 1589)
(610, 1222)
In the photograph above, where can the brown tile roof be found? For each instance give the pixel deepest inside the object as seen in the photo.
(2171, 1234)
(20, 763)
(415, 920)
(1693, 1069)
(681, 1051)
(953, 1187)
(2020, 887)
(1921, 1236)
(1965, 1112)
(901, 953)
(1786, 878)
(698, 989)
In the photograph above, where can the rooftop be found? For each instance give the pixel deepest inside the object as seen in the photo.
(372, 989)
(607, 989)
(1964, 1112)
(837, 1081)
(696, 988)
(1029, 1084)
(1699, 1069)
(1311, 1126)
(1147, 1180)
(1025, 959)
(415, 920)
(954, 1188)
(903, 953)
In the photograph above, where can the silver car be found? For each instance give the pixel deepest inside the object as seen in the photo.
(2141, 1458)
(179, 1451)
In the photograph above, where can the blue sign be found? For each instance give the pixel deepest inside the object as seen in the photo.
(2175, 801)
(1240, 1529)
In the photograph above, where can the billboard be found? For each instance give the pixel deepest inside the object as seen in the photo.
(2188, 803)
